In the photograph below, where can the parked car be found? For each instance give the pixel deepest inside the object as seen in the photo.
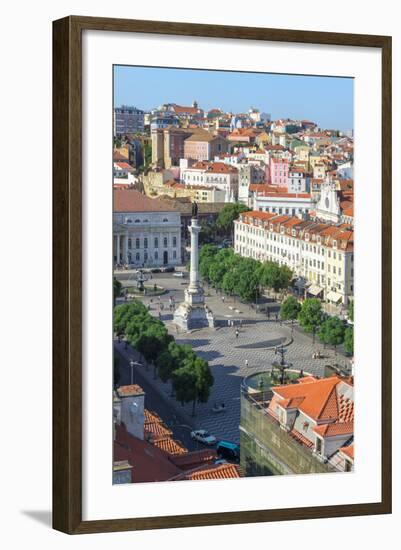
(156, 270)
(228, 450)
(169, 269)
(179, 274)
(204, 437)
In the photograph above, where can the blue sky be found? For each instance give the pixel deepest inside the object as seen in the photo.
(328, 101)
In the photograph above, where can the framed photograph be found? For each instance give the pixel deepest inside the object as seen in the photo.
(222, 275)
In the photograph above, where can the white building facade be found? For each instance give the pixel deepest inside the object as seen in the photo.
(320, 254)
(146, 232)
(292, 204)
(216, 174)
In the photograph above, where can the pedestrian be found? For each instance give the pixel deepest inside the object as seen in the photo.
(236, 333)
(246, 363)
(222, 299)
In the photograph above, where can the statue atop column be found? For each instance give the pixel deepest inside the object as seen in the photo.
(194, 209)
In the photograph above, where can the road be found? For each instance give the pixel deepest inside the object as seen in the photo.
(153, 400)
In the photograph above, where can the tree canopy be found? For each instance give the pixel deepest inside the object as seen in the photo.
(228, 214)
(190, 375)
(350, 310)
(290, 309)
(310, 316)
(332, 331)
(349, 340)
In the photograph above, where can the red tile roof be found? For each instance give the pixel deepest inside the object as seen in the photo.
(129, 391)
(131, 200)
(348, 451)
(338, 428)
(213, 471)
(170, 446)
(319, 397)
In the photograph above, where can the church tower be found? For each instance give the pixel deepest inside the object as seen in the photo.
(328, 206)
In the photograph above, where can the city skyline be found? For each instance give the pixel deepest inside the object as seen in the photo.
(328, 101)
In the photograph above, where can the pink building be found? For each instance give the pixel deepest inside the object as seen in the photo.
(279, 169)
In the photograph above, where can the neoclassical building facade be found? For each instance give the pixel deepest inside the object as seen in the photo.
(146, 232)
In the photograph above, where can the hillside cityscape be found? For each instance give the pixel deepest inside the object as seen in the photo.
(233, 284)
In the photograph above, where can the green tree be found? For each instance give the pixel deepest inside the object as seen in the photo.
(184, 382)
(147, 154)
(247, 279)
(165, 365)
(192, 382)
(350, 310)
(230, 212)
(290, 309)
(206, 259)
(207, 233)
(332, 332)
(204, 380)
(311, 316)
(349, 340)
(274, 276)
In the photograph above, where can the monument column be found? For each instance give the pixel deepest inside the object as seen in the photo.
(194, 229)
(193, 313)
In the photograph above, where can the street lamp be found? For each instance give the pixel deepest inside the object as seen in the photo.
(131, 364)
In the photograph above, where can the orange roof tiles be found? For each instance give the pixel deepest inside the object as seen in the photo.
(348, 451)
(170, 446)
(214, 471)
(129, 391)
(131, 200)
(319, 397)
(338, 428)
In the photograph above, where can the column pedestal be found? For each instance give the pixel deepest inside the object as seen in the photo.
(193, 313)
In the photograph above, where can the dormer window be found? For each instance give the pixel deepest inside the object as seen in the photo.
(282, 230)
(146, 221)
(165, 220)
(294, 233)
(128, 220)
(306, 236)
(137, 221)
(334, 244)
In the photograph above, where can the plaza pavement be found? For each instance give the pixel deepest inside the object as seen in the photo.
(226, 354)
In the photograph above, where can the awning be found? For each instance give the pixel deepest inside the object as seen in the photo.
(333, 297)
(314, 290)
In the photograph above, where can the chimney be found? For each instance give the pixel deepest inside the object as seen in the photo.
(132, 409)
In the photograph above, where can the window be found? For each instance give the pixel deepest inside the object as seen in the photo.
(165, 242)
(156, 242)
(129, 242)
(137, 256)
(174, 255)
(174, 241)
(156, 255)
(137, 220)
(128, 220)
(318, 445)
(137, 243)
(145, 257)
(165, 220)
(145, 242)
